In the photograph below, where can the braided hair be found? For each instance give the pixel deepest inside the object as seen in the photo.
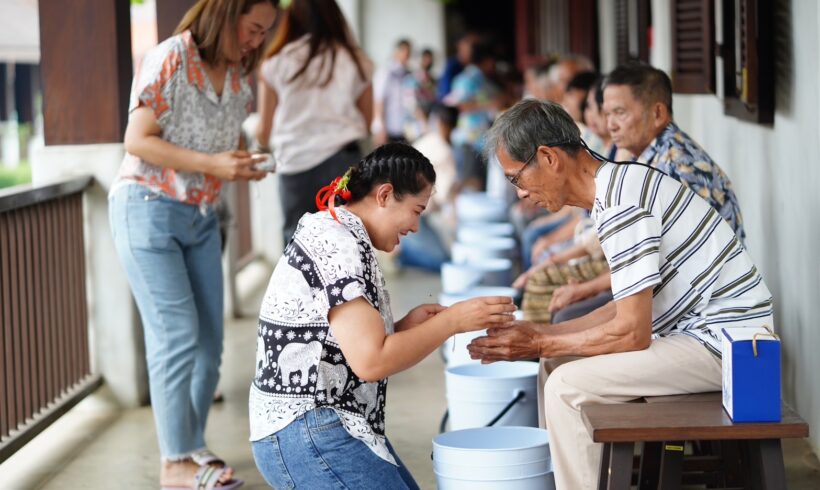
(399, 164)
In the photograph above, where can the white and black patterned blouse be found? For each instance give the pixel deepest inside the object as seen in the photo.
(299, 365)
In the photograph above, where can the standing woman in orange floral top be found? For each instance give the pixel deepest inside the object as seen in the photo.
(188, 101)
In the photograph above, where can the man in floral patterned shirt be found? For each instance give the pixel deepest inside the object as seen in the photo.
(638, 108)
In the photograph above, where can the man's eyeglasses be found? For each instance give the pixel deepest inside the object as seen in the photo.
(514, 180)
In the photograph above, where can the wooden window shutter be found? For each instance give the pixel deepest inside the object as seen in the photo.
(4, 115)
(583, 28)
(622, 30)
(632, 24)
(693, 46)
(748, 60)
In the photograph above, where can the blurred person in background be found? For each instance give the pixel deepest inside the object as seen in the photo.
(457, 63)
(183, 139)
(536, 81)
(595, 119)
(420, 96)
(390, 111)
(425, 81)
(574, 102)
(315, 103)
(575, 95)
(428, 247)
(475, 96)
(562, 72)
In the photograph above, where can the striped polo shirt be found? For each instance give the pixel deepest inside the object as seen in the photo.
(657, 233)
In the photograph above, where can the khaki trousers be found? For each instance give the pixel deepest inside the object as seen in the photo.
(671, 365)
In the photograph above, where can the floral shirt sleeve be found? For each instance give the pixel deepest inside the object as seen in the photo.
(155, 83)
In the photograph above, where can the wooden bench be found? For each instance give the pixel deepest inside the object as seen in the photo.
(663, 426)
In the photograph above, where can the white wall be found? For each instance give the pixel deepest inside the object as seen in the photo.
(352, 12)
(776, 176)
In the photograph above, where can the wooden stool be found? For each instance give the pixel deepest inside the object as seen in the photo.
(668, 424)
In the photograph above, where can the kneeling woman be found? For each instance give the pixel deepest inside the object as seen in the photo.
(326, 337)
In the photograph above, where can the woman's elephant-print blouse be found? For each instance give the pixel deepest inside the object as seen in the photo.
(299, 364)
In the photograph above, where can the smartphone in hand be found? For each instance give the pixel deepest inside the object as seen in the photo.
(264, 162)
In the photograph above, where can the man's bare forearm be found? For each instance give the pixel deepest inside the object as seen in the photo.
(592, 319)
(597, 285)
(615, 327)
(607, 338)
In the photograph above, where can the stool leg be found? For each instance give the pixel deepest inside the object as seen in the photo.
(671, 465)
(620, 466)
(649, 472)
(730, 452)
(603, 474)
(769, 456)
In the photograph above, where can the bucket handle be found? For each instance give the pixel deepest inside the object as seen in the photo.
(519, 395)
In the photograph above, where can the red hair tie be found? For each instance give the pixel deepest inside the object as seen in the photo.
(326, 197)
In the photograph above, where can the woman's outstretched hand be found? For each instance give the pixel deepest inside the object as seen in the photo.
(480, 313)
(418, 315)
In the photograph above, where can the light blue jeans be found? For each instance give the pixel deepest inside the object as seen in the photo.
(315, 452)
(171, 255)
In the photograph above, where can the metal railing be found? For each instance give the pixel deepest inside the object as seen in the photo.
(44, 339)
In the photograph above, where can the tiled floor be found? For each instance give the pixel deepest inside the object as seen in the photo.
(96, 446)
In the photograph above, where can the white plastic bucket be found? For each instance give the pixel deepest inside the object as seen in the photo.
(489, 248)
(477, 232)
(454, 350)
(456, 278)
(514, 458)
(477, 393)
(478, 206)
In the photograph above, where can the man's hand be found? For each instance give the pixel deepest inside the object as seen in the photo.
(521, 281)
(540, 246)
(567, 295)
(520, 340)
(418, 315)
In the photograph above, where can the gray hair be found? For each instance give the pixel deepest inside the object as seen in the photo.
(529, 124)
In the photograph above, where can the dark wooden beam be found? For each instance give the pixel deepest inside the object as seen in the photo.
(524, 33)
(169, 13)
(86, 70)
(4, 109)
(583, 29)
(24, 92)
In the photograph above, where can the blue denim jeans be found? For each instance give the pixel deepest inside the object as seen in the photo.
(171, 255)
(423, 249)
(315, 452)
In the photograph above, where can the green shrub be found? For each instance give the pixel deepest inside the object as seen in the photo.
(15, 176)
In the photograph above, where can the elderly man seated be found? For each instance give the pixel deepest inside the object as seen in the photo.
(679, 274)
(637, 103)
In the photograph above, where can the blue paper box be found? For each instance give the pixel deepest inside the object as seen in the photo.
(751, 374)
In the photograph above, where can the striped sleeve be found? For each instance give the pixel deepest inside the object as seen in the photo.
(630, 237)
